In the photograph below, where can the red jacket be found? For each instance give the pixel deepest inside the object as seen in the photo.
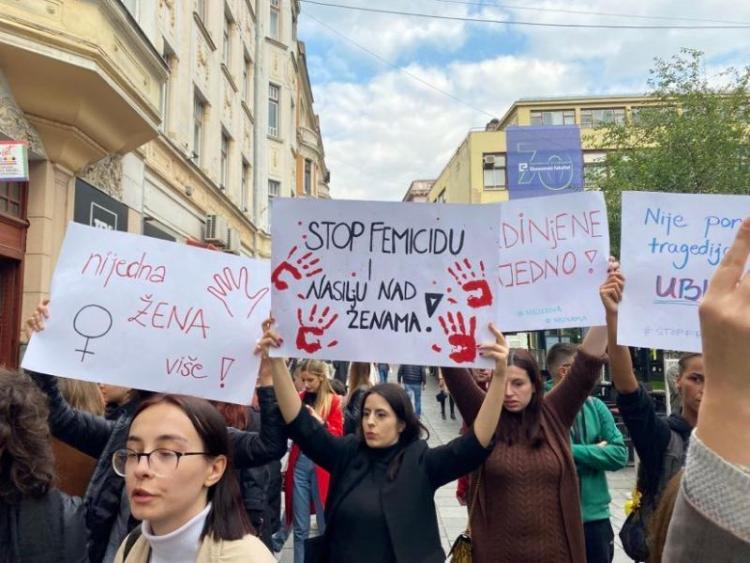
(335, 426)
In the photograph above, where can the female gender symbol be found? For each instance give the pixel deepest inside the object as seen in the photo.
(91, 321)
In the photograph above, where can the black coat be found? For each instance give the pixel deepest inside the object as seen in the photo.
(100, 438)
(408, 500)
(40, 530)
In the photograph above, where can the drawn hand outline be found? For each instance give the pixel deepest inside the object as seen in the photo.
(234, 291)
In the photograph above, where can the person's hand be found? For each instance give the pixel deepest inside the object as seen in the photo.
(497, 350)
(725, 321)
(611, 290)
(35, 323)
(270, 339)
(314, 414)
(602, 444)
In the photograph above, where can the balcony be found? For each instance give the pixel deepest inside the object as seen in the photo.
(309, 138)
(84, 74)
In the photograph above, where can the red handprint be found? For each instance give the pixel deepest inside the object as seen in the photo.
(234, 292)
(315, 327)
(477, 287)
(464, 342)
(297, 269)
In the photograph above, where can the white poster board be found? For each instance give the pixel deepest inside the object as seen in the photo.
(553, 258)
(671, 245)
(155, 315)
(405, 283)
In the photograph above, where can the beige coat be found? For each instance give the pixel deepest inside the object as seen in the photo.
(247, 550)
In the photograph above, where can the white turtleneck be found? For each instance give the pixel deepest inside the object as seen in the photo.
(179, 546)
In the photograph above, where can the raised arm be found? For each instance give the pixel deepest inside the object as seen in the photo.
(710, 520)
(620, 362)
(252, 449)
(465, 453)
(649, 433)
(84, 431)
(489, 413)
(311, 436)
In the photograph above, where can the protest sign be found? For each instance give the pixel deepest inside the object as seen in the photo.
(154, 315)
(671, 245)
(553, 258)
(388, 282)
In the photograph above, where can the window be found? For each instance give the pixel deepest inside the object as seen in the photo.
(226, 53)
(169, 59)
(244, 184)
(224, 160)
(274, 190)
(441, 197)
(274, 93)
(308, 176)
(493, 166)
(275, 19)
(199, 116)
(247, 76)
(594, 169)
(10, 198)
(132, 6)
(557, 117)
(594, 117)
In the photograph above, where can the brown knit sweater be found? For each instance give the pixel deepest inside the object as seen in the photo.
(528, 507)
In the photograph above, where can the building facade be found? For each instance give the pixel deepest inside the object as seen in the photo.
(477, 173)
(168, 118)
(418, 191)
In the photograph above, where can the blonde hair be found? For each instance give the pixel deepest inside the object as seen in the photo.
(325, 392)
(359, 376)
(82, 395)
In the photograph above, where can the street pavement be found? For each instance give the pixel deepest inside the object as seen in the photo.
(452, 516)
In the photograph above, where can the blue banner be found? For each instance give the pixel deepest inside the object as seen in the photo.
(544, 160)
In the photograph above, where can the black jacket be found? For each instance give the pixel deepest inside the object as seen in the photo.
(100, 438)
(353, 411)
(407, 501)
(650, 433)
(50, 528)
(411, 375)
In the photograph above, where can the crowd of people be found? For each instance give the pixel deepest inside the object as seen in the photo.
(92, 474)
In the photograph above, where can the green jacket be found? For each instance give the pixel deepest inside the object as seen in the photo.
(594, 424)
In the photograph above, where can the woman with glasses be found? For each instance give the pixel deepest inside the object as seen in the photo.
(108, 517)
(176, 466)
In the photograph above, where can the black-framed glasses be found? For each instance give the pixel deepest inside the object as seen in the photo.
(160, 460)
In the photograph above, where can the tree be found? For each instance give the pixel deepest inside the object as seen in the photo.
(694, 137)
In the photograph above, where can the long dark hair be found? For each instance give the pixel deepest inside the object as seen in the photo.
(27, 465)
(413, 430)
(524, 425)
(227, 519)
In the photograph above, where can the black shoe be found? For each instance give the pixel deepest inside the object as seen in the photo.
(453, 416)
(443, 415)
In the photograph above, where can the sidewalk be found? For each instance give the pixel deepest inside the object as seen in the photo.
(452, 516)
